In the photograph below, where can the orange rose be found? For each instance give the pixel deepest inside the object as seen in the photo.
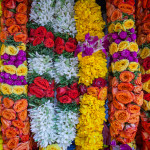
(122, 116)
(126, 8)
(118, 105)
(10, 21)
(115, 82)
(20, 37)
(134, 118)
(125, 86)
(116, 15)
(13, 29)
(126, 76)
(133, 108)
(93, 91)
(21, 18)
(21, 8)
(3, 36)
(139, 98)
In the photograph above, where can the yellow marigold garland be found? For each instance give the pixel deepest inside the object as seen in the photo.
(88, 19)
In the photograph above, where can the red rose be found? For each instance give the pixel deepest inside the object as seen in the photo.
(73, 93)
(50, 92)
(99, 82)
(38, 41)
(61, 91)
(77, 100)
(147, 97)
(59, 41)
(146, 63)
(71, 40)
(35, 90)
(11, 4)
(83, 89)
(145, 77)
(65, 99)
(31, 39)
(74, 86)
(49, 35)
(40, 32)
(146, 126)
(49, 43)
(42, 83)
(32, 32)
(52, 85)
(59, 49)
(25, 138)
(70, 47)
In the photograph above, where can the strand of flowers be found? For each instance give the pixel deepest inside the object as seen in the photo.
(61, 67)
(88, 19)
(92, 73)
(126, 83)
(15, 122)
(142, 23)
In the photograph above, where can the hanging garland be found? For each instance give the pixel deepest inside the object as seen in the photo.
(127, 97)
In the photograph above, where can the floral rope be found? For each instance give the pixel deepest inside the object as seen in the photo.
(143, 41)
(127, 96)
(15, 121)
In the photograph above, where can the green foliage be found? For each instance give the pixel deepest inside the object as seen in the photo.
(69, 107)
(65, 54)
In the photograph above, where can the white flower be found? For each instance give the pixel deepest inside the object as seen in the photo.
(67, 67)
(42, 11)
(41, 64)
(66, 128)
(64, 21)
(42, 124)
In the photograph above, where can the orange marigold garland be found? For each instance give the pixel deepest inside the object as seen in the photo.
(143, 39)
(126, 85)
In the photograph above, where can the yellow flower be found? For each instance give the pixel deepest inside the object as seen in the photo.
(51, 147)
(18, 90)
(113, 67)
(128, 24)
(121, 65)
(6, 89)
(123, 45)
(22, 46)
(146, 86)
(133, 47)
(142, 70)
(148, 71)
(25, 89)
(11, 50)
(118, 27)
(133, 66)
(25, 63)
(22, 70)
(145, 53)
(3, 48)
(113, 48)
(145, 105)
(1, 146)
(10, 69)
(132, 144)
(111, 28)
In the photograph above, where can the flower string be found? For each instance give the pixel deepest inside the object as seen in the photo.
(126, 87)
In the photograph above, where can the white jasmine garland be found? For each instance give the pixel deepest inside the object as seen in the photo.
(67, 67)
(64, 21)
(41, 64)
(42, 11)
(66, 128)
(43, 124)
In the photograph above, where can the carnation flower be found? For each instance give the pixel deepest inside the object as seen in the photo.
(41, 64)
(66, 127)
(64, 21)
(67, 67)
(42, 124)
(42, 11)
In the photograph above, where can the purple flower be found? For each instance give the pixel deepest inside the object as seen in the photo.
(93, 40)
(19, 57)
(17, 63)
(133, 37)
(12, 58)
(83, 89)
(125, 53)
(135, 60)
(20, 77)
(132, 30)
(10, 62)
(117, 41)
(1, 80)
(21, 53)
(115, 55)
(2, 57)
(134, 54)
(24, 82)
(9, 81)
(114, 60)
(106, 44)
(113, 143)
(115, 36)
(129, 39)
(17, 83)
(78, 50)
(7, 75)
(125, 147)
(121, 57)
(4, 63)
(130, 58)
(14, 77)
(87, 36)
(2, 74)
(24, 58)
(88, 51)
(123, 34)
(6, 56)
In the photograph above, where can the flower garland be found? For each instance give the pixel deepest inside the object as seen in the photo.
(143, 41)
(88, 19)
(127, 96)
(64, 21)
(14, 117)
(94, 93)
